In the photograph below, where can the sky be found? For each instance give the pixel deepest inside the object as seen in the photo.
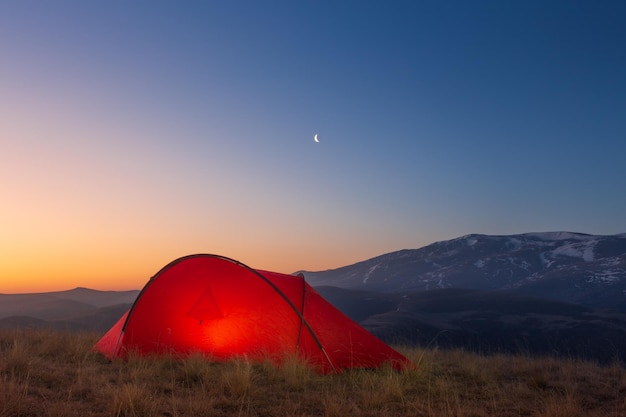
(134, 133)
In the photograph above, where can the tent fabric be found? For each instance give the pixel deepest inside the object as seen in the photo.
(220, 307)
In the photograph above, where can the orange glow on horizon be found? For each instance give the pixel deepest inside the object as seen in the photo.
(52, 249)
(54, 271)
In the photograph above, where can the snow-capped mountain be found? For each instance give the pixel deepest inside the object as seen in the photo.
(572, 267)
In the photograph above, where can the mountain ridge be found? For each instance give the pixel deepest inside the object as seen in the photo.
(565, 266)
(62, 305)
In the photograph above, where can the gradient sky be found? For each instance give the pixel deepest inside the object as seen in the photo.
(133, 133)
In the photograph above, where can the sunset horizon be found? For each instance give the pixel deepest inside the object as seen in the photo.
(298, 136)
(123, 281)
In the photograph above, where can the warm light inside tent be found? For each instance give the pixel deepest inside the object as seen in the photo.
(219, 335)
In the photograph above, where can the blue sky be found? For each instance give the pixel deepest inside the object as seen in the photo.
(137, 132)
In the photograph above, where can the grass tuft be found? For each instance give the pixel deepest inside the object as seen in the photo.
(134, 400)
(237, 378)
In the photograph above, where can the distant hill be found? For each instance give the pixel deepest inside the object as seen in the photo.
(575, 268)
(77, 309)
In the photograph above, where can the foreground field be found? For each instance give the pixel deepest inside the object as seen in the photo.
(55, 374)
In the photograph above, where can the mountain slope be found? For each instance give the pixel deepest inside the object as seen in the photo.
(486, 322)
(571, 267)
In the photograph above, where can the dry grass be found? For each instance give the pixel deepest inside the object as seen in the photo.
(55, 374)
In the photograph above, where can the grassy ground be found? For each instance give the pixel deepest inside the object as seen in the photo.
(55, 374)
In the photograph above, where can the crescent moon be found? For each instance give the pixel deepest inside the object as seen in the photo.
(315, 138)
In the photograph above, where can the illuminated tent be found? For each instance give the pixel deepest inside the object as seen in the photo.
(222, 308)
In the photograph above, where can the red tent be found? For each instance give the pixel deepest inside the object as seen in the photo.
(218, 306)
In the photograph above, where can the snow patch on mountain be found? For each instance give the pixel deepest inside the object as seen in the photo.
(520, 263)
(369, 273)
(608, 276)
(545, 261)
(514, 244)
(609, 262)
(582, 250)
